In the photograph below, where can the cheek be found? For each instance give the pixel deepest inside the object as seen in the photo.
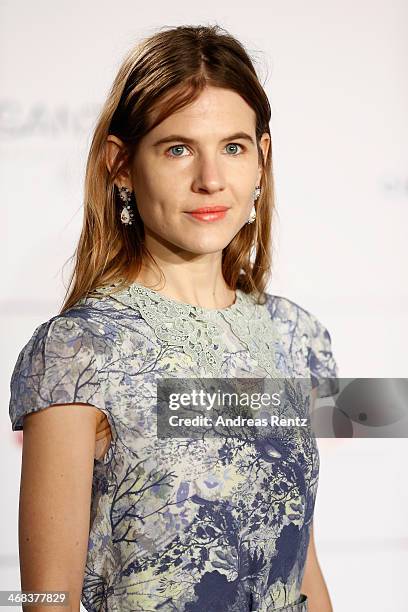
(163, 177)
(150, 195)
(158, 211)
(160, 184)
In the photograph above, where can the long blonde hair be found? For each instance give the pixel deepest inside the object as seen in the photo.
(164, 73)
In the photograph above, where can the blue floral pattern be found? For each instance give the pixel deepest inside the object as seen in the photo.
(204, 525)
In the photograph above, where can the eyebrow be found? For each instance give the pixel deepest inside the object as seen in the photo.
(179, 137)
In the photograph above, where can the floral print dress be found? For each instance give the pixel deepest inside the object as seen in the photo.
(201, 525)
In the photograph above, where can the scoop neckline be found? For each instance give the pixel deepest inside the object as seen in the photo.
(153, 293)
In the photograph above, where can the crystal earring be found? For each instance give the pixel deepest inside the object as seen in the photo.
(127, 214)
(252, 215)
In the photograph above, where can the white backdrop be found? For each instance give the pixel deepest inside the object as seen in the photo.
(336, 78)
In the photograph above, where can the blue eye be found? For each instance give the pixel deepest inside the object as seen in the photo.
(176, 147)
(181, 146)
(234, 144)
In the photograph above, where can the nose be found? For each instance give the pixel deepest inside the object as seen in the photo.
(209, 174)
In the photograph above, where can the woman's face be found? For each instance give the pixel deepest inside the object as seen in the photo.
(198, 157)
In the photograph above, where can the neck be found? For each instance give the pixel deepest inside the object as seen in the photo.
(205, 288)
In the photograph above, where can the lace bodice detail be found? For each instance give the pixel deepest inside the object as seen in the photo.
(201, 332)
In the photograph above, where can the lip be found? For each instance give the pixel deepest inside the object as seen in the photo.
(209, 209)
(208, 217)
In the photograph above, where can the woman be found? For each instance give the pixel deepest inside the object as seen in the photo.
(160, 290)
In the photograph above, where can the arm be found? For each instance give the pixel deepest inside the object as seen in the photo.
(313, 584)
(55, 497)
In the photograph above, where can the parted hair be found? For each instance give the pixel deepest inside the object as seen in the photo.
(163, 73)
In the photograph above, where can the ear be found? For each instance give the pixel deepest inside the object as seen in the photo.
(112, 147)
(264, 144)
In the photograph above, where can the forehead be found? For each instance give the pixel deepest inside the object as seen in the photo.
(215, 111)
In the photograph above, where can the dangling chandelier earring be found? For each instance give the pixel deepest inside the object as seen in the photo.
(252, 215)
(127, 214)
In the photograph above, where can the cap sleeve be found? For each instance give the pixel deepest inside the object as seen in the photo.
(321, 362)
(58, 365)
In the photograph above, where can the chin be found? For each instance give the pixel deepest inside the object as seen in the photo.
(200, 241)
(204, 250)
(206, 244)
